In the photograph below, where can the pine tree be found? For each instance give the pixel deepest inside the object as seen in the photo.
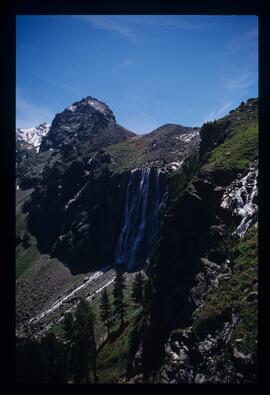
(68, 327)
(49, 344)
(137, 292)
(118, 294)
(85, 342)
(26, 240)
(105, 311)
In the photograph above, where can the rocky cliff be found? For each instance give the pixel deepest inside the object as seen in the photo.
(99, 187)
(205, 265)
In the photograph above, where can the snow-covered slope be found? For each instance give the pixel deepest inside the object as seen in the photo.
(33, 136)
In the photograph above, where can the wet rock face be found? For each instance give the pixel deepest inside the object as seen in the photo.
(139, 232)
(241, 199)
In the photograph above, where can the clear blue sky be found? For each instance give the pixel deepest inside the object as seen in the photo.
(150, 70)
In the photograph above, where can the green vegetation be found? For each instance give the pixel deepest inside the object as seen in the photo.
(73, 336)
(40, 361)
(180, 178)
(113, 354)
(21, 226)
(26, 246)
(235, 293)
(84, 342)
(126, 155)
(138, 290)
(25, 259)
(241, 147)
(235, 153)
(118, 294)
(105, 311)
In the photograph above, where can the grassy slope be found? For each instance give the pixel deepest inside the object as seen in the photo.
(237, 152)
(241, 148)
(127, 154)
(113, 356)
(25, 257)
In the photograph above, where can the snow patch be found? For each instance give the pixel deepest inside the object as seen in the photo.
(97, 105)
(33, 136)
(72, 108)
(187, 137)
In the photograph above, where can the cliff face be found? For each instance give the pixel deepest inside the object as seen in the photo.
(97, 199)
(206, 257)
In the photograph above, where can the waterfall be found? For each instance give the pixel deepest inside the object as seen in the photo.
(246, 207)
(140, 227)
(240, 197)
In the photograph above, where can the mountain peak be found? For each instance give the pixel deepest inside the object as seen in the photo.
(93, 104)
(89, 123)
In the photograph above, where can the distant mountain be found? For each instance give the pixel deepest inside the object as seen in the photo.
(165, 147)
(31, 137)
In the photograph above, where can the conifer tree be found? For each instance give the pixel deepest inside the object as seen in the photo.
(137, 292)
(68, 327)
(49, 344)
(118, 294)
(85, 342)
(105, 311)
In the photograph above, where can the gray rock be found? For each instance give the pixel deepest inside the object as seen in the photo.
(199, 378)
(252, 296)
(241, 356)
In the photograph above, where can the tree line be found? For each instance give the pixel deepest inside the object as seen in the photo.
(72, 358)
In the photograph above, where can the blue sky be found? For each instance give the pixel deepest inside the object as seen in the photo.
(150, 70)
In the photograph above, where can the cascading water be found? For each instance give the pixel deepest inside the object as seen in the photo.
(241, 198)
(140, 228)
